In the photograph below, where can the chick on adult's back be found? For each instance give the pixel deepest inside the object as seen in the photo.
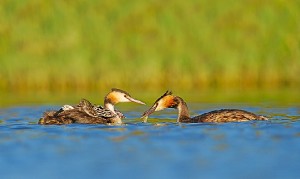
(86, 113)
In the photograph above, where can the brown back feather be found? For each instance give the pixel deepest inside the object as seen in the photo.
(227, 115)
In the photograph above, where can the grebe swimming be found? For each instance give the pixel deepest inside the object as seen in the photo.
(168, 100)
(87, 113)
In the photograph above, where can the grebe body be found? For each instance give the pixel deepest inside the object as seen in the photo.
(168, 100)
(86, 113)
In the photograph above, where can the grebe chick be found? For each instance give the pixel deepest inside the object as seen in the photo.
(167, 100)
(86, 113)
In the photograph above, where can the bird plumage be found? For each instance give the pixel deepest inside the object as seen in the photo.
(168, 100)
(86, 113)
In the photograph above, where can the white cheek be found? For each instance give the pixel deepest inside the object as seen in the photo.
(159, 107)
(121, 98)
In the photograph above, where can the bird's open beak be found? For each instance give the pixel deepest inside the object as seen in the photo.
(135, 100)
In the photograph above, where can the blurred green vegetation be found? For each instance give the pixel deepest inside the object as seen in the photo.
(78, 45)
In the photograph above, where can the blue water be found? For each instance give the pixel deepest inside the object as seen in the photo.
(256, 149)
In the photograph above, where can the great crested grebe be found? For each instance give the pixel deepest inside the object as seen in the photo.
(87, 113)
(167, 100)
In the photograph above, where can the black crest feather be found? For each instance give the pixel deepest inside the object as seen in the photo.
(165, 94)
(121, 91)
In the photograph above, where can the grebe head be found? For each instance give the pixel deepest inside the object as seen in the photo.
(118, 96)
(167, 100)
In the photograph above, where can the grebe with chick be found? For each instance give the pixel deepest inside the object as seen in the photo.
(86, 113)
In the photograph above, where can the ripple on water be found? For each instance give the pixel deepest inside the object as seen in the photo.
(158, 149)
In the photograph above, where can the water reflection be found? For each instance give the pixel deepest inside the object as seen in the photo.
(126, 136)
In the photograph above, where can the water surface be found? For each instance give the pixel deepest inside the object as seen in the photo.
(161, 148)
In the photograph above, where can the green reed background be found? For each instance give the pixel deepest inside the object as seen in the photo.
(79, 45)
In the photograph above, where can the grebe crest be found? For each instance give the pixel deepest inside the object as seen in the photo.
(167, 100)
(118, 96)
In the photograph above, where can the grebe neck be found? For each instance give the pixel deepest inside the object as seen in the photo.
(183, 111)
(109, 106)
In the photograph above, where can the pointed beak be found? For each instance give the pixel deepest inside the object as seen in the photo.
(149, 111)
(135, 100)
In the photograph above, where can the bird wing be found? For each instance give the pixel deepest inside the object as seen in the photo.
(102, 112)
(87, 107)
(227, 115)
